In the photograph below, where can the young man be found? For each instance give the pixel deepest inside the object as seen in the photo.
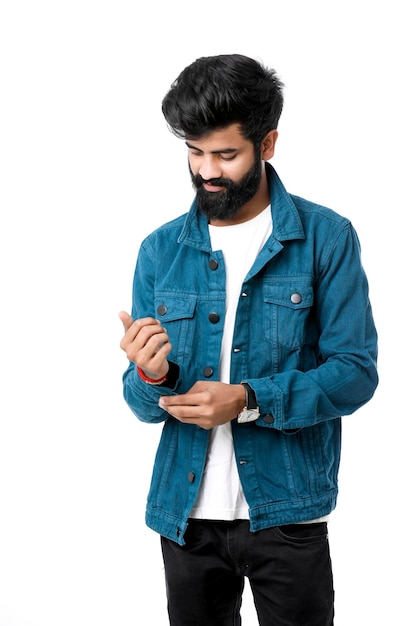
(251, 334)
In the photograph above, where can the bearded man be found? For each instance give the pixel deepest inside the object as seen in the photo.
(251, 335)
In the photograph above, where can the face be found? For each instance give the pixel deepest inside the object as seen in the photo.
(225, 172)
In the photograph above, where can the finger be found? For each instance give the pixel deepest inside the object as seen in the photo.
(187, 402)
(151, 336)
(177, 401)
(190, 415)
(127, 320)
(181, 412)
(146, 343)
(134, 327)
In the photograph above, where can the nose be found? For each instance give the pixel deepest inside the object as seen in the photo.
(210, 168)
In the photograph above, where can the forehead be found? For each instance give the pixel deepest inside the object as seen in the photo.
(228, 138)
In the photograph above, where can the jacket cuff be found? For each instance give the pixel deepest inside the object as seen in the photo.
(172, 376)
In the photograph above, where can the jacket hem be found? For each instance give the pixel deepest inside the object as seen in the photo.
(260, 517)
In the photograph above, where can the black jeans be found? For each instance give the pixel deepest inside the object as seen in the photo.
(288, 568)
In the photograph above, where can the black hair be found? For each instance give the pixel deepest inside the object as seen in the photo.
(214, 92)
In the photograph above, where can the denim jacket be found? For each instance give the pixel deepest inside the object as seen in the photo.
(304, 340)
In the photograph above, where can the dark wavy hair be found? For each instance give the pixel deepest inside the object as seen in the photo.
(214, 92)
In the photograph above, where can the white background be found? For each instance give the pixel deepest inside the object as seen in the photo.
(88, 168)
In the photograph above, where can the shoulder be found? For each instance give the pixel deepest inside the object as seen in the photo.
(170, 230)
(312, 210)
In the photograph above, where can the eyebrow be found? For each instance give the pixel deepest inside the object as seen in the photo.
(223, 151)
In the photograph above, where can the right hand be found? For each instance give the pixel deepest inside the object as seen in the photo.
(146, 344)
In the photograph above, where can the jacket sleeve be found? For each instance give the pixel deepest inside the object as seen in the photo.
(141, 397)
(346, 374)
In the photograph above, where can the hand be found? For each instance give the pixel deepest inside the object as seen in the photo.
(146, 343)
(206, 404)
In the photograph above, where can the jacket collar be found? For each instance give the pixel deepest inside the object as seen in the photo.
(286, 223)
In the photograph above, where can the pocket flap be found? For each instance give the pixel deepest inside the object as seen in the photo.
(170, 307)
(295, 293)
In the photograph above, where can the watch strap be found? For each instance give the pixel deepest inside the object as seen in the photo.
(251, 411)
(251, 402)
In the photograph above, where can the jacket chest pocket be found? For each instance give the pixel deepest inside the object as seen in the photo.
(288, 305)
(176, 312)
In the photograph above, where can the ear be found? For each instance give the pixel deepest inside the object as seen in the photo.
(268, 145)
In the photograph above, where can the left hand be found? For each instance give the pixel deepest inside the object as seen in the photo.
(147, 344)
(206, 404)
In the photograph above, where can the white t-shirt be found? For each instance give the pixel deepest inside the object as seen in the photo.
(221, 496)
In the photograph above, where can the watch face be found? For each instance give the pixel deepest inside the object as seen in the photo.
(248, 415)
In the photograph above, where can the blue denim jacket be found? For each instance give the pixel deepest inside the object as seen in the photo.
(304, 340)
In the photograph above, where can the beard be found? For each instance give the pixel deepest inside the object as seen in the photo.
(223, 205)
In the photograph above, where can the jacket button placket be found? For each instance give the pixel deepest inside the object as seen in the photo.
(215, 285)
(239, 363)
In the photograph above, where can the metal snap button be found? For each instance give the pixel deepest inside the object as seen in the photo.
(213, 318)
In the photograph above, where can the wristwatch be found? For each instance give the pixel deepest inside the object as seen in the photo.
(250, 412)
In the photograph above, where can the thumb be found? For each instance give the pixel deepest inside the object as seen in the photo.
(127, 320)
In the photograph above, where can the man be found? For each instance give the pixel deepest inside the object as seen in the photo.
(251, 335)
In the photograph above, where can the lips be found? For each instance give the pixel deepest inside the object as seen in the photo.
(211, 188)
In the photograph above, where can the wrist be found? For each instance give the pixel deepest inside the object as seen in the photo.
(250, 396)
(250, 412)
(149, 380)
(169, 380)
(241, 397)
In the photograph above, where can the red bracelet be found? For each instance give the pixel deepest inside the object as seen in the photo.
(150, 381)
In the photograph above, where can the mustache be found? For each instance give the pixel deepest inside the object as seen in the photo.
(198, 181)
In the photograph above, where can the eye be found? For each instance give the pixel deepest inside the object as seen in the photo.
(228, 158)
